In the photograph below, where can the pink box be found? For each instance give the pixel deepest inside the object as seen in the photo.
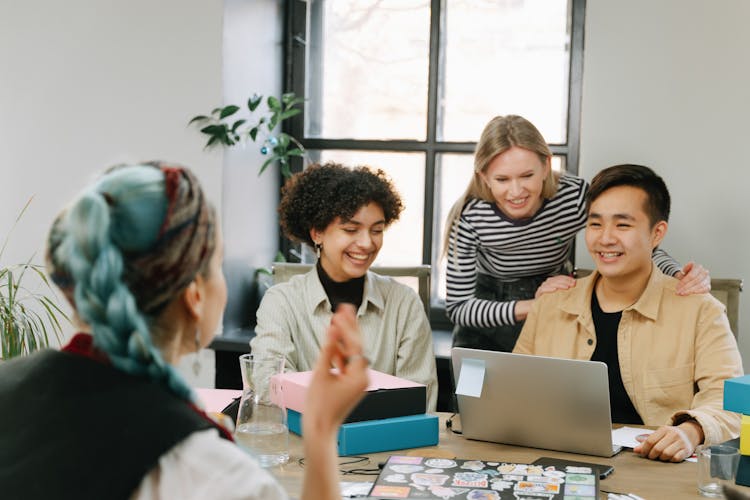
(387, 396)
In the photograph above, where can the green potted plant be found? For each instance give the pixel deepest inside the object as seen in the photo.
(28, 319)
(231, 125)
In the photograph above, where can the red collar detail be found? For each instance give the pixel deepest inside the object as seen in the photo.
(82, 344)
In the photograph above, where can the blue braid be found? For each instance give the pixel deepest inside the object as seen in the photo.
(98, 228)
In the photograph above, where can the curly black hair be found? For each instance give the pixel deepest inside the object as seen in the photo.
(313, 198)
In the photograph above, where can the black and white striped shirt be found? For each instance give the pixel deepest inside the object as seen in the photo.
(487, 242)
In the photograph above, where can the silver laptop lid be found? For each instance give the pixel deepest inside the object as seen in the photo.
(535, 401)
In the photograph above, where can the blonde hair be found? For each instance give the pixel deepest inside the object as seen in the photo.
(498, 136)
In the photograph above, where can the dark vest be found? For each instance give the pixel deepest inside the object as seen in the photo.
(73, 427)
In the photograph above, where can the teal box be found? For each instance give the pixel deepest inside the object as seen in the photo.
(371, 436)
(737, 394)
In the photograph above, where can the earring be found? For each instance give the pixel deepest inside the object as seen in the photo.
(197, 360)
(318, 246)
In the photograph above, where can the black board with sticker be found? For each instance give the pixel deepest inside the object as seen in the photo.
(453, 479)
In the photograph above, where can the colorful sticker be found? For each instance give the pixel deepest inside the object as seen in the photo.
(470, 479)
(570, 469)
(534, 470)
(544, 479)
(501, 485)
(429, 479)
(405, 469)
(581, 478)
(445, 493)
(489, 472)
(474, 465)
(584, 490)
(386, 491)
(440, 463)
(395, 478)
(482, 495)
(553, 473)
(434, 471)
(532, 487)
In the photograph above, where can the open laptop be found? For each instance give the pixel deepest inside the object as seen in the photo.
(535, 401)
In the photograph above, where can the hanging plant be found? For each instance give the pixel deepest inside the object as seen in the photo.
(232, 125)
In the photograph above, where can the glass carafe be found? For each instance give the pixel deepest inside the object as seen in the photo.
(261, 419)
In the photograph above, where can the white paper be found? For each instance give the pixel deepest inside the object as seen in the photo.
(626, 436)
(351, 489)
(471, 377)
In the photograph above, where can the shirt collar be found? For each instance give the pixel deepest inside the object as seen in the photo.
(578, 302)
(318, 299)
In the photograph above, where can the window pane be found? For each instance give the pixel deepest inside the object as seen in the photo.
(402, 244)
(453, 173)
(505, 57)
(367, 69)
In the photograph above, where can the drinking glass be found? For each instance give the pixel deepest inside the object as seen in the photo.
(717, 465)
(261, 419)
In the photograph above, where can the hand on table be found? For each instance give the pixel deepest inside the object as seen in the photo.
(671, 443)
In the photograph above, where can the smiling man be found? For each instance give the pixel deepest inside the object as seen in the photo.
(668, 355)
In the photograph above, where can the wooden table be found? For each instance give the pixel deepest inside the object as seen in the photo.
(652, 480)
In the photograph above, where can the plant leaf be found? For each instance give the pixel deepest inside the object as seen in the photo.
(228, 111)
(216, 130)
(272, 122)
(273, 103)
(198, 118)
(237, 124)
(253, 133)
(290, 113)
(253, 102)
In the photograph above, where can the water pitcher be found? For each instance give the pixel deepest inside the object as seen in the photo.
(261, 419)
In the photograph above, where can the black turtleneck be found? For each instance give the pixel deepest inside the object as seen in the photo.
(350, 291)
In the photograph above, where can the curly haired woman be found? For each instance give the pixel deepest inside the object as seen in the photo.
(342, 213)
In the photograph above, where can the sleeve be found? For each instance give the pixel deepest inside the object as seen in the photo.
(416, 356)
(273, 331)
(716, 359)
(461, 303)
(665, 262)
(203, 466)
(525, 342)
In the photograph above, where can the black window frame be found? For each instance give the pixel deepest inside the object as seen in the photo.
(295, 42)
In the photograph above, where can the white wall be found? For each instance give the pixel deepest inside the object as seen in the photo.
(253, 58)
(665, 84)
(89, 83)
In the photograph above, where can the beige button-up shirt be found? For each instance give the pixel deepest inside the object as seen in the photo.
(293, 318)
(675, 351)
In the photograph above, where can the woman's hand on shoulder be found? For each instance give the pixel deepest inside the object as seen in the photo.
(554, 283)
(333, 395)
(694, 279)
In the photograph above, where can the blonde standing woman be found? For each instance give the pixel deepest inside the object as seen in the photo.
(508, 237)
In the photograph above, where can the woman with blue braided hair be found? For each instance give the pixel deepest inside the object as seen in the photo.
(138, 255)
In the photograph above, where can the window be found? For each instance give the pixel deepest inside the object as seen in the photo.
(408, 85)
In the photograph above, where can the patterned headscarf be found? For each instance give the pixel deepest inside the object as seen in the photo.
(182, 249)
